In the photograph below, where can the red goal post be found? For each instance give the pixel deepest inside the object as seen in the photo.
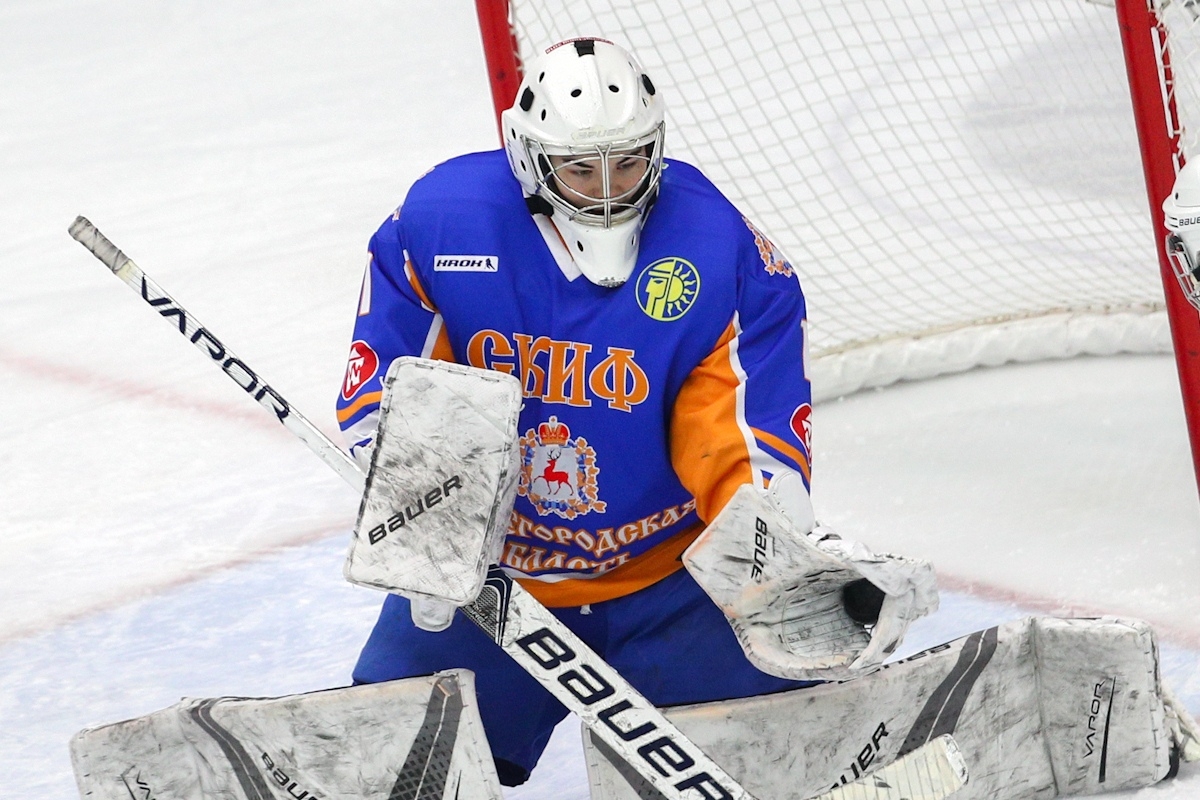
(955, 181)
(1145, 27)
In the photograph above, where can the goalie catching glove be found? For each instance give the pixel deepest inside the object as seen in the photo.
(803, 606)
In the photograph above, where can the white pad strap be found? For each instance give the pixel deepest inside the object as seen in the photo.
(1184, 729)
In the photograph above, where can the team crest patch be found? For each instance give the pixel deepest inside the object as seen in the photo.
(360, 368)
(667, 288)
(772, 257)
(558, 472)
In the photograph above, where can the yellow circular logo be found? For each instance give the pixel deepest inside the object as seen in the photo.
(667, 288)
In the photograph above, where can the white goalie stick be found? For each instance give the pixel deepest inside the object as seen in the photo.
(639, 734)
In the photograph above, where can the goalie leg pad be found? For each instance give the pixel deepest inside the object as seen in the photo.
(1039, 708)
(419, 737)
(441, 484)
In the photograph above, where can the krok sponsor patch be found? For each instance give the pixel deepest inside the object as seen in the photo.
(466, 263)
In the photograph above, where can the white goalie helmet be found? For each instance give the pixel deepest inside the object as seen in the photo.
(1181, 212)
(584, 138)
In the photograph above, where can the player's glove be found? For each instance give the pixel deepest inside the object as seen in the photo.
(807, 607)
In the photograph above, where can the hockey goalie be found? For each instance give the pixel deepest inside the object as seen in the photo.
(576, 359)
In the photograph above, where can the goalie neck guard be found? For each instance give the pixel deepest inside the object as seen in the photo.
(584, 138)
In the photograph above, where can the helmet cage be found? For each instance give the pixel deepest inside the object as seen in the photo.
(609, 209)
(1187, 272)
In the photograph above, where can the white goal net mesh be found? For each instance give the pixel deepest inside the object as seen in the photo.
(1182, 19)
(958, 183)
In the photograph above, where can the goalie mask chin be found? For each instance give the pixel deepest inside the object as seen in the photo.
(606, 256)
(1181, 212)
(584, 139)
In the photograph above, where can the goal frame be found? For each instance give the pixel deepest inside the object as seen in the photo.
(1152, 92)
(1151, 83)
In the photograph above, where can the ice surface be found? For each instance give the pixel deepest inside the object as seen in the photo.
(161, 537)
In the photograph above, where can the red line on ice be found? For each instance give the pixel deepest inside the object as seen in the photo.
(1187, 637)
(42, 369)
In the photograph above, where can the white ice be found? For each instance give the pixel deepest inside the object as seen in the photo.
(161, 537)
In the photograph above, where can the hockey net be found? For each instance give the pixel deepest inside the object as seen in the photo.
(958, 183)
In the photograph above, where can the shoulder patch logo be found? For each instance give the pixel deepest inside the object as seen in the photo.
(667, 288)
(361, 367)
(466, 263)
(801, 425)
(558, 472)
(772, 257)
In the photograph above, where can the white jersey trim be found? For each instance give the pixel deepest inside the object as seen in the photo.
(364, 295)
(553, 577)
(554, 241)
(760, 461)
(435, 328)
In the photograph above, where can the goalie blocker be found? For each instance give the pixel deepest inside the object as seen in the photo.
(1039, 708)
(441, 485)
(403, 740)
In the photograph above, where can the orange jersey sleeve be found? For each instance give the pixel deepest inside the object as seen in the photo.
(743, 414)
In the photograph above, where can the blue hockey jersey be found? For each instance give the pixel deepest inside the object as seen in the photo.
(646, 405)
